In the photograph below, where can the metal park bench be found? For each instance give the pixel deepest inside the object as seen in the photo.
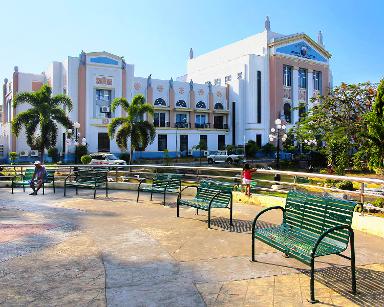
(312, 226)
(208, 195)
(85, 178)
(23, 180)
(161, 184)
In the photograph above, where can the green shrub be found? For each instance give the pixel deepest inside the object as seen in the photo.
(12, 156)
(53, 152)
(86, 159)
(379, 202)
(124, 156)
(268, 148)
(345, 185)
(251, 149)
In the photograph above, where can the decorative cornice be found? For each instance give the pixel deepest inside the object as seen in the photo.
(296, 37)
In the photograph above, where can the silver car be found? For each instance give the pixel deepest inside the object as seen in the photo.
(106, 159)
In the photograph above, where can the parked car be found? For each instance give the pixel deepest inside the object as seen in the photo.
(106, 159)
(224, 157)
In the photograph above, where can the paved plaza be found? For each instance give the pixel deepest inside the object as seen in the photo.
(76, 251)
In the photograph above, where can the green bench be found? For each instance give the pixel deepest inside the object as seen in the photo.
(23, 179)
(312, 226)
(209, 195)
(161, 184)
(85, 178)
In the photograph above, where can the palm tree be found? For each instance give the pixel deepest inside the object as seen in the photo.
(140, 132)
(42, 118)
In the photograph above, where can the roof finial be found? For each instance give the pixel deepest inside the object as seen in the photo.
(267, 24)
(191, 53)
(320, 38)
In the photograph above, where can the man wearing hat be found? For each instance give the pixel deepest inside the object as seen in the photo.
(37, 178)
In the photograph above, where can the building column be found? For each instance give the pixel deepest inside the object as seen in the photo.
(5, 109)
(211, 108)
(192, 105)
(123, 88)
(171, 96)
(82, 77)
(150, 101)
(15, 90)
(309, 87)
(295, 95)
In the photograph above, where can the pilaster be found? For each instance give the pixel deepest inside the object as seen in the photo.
(295, 94)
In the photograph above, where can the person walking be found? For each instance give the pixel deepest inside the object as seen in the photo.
(246, 178)
(38, 177)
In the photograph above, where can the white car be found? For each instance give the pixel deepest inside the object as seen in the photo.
(223, 157)
(106, 159)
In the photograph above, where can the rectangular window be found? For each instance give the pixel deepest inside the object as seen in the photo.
(162, 142)
(258, 140)
(287, 75)
(103, 95)
(258, 96)
(317, 80)
(159, 119)
(204, 141)
(217, 81)
(302, 78)
(228, 78)
(200, 120)
(221, 142)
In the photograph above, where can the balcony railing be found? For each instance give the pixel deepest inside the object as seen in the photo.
(161, 125)
(302, 94)
(287, 92)
(220, 126)
(205, 125)
(182, 125)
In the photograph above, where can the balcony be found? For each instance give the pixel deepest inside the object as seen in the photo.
(202, 126)
(287, 92)
(302, 94)
(161, 124)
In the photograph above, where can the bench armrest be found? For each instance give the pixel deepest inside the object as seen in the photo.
(69, 176)
(327, 232)
(262, 212)
(188, 186)
(214, 196)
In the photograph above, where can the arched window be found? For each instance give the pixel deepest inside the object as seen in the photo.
(287, 112)
(160, 102)
(219, 106)
(181, 104)
(201, 105)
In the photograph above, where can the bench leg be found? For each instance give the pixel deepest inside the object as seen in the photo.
(209, 218)
(353, 264)
(164, 198)
(23, 188)
(65, 189)
(77, 191)
(54, 187)
(151, 195)
(138, 193)
(312, 282)
(230, 215)
(12, 187)
(94, 194)
(253, 248)
(177, 209)
(197, 211)
(43, 188)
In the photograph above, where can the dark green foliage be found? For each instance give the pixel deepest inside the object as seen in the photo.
(231, 149)
(345, 185)
(251, 149)
(317, 159)
(86, 159)
(140, 132)
(268, 148)
(124, 156)
(42, 118)
(53, 152)
(80, 151)
(379, 202)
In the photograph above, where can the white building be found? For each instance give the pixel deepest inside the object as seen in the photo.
(236, 94)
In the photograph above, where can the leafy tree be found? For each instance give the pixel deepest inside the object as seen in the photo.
(251, 148)
(80, 150)
(41, 120)
(338, 119)
(140, 132)
(86, 159)
(12, 156)
(373, 148)
(53, 153)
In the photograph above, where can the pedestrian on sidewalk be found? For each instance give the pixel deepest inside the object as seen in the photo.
(38, 177)
(247, 177)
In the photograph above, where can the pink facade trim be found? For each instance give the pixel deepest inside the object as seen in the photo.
(82, 76)
(15, 90)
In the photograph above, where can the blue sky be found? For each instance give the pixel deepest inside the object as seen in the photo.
(156, 35)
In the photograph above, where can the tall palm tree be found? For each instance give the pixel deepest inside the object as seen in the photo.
(42, 118)
(140, 132)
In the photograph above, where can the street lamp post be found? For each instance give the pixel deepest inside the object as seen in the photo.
(73, 139)
(279, 135)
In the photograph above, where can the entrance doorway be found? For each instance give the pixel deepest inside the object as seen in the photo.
(103, 142)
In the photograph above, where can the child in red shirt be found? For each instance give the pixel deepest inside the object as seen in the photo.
(246, 178)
